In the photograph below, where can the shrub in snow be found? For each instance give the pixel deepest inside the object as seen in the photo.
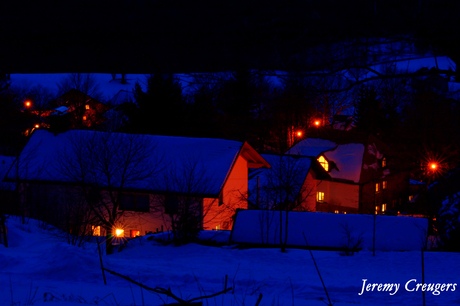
(353, 241)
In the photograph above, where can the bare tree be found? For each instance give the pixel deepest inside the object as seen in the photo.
(39, 96)
(84, 82)
(105, 164)
(284, 188)
(186, 184)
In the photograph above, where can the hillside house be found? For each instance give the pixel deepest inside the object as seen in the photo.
(163, 171)
(86, 112)
(289, 184)
(362, 176)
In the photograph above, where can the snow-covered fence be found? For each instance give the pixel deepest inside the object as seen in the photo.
(325, 230)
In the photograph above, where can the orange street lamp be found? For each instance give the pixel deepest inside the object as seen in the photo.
(317, 122)
(28, 104)
(37, 126)
(299, 133)
(433, 166)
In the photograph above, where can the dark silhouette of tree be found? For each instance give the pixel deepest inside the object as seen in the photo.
(161, 108)
(369, 116)
(282, 188)
(186, 184)
(104, 164)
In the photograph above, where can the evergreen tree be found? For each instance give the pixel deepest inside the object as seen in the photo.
(369, 115)
(162, 107)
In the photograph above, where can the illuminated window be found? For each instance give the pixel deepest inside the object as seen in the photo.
(320, 196)
(218, 227)
(384, 162)
(134, 234)
(410, 198)
(119, 232)
(377, 187)
(323, 163)
(377, 209)
(87, 106)
(84, 118)
(96, 230)
(336, 211)
(384, 185)
(384, 207)
(345, 212)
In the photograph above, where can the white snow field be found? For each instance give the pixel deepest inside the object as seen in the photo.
(39, 268)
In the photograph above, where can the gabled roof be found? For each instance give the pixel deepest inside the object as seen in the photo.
(121, 97)
(74, 94)
(349, 160)
(286, 172)
(172, 157)
(355, 155)
(311, 147)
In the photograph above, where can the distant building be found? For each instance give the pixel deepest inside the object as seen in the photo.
(364, 173)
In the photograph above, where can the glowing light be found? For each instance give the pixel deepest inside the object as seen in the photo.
(433, 166)
(119, 232)
(135, 233)
(299, 134)
(317, 122)
(323, 162)
(28, 104)
(37, 126)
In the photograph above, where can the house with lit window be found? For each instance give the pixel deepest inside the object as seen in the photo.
(82, 111)
(362, 179)
(289, 184)
(149, 176)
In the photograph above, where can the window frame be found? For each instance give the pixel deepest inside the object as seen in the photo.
(135, 203)
(320, 196)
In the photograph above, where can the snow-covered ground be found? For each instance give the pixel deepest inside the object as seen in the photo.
(40, 268)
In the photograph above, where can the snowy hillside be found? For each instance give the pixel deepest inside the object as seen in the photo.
(39, 266)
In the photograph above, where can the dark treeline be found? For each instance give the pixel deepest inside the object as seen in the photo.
(414, 118)
(204, 36)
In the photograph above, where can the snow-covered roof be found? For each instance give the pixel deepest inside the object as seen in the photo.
(61, 109)
(47, 157)
(415, 182)
(286, 172)
(349, 160)
(5, 164)
(347, 157)
(121, 97)
(311, 147)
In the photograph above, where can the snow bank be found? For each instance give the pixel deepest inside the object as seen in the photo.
(330, 230)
